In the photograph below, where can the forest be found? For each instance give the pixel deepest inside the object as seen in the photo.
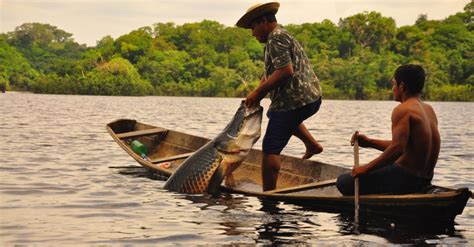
(354, 59)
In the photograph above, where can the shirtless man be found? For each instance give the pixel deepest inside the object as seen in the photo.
(407, 162)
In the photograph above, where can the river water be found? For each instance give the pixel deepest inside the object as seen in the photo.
(56, 187)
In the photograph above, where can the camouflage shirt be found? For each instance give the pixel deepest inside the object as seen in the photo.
(303, 87)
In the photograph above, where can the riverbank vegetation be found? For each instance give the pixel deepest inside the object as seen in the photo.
(354, 59)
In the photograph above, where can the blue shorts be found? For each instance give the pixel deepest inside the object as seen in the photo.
(282, 124)
(389, 179)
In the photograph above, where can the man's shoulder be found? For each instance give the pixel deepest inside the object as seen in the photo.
(279, 30)
(411, 107)
(401, 110)
(279, 33)
(400, 107)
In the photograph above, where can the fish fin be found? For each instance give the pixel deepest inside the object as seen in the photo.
(215, 181)
(228, 145)
(229, 167)
(233, 146)
(230, 181)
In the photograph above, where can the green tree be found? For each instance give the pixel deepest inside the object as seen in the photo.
(15, 70)
(249, 73)
(370, 29)
(135, 44)
(166, 67)
(117, 77)
(106, 48)
(4, 84)
(40, 34)
(408, 41)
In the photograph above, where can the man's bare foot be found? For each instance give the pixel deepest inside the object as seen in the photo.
(229, 181)
(310, 151)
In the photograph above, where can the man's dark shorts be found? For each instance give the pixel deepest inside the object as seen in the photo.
(282, 124)
(389, 179)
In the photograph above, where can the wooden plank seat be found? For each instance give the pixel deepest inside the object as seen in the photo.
(304, 186)
(139, 133)
(171, 158)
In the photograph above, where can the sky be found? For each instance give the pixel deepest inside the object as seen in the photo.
(91, 20)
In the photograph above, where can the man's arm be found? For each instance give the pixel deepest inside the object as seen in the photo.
(380, 144)
(400, 135)
(367, 142)
(277, 78)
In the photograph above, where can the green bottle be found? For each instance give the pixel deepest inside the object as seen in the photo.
(139, 148)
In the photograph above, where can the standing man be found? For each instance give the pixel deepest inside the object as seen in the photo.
(294, 89)
(407, 162)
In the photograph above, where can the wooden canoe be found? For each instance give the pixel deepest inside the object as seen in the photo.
(307, 183)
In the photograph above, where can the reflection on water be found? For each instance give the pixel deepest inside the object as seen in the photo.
(55, 175)
(398, 230)
(278, 223)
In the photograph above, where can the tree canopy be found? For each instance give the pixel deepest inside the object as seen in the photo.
(354, 59)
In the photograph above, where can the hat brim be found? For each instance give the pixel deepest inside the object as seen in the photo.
(247, 18)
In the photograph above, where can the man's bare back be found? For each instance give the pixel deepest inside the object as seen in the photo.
(417, 126)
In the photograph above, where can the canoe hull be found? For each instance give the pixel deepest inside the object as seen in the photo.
(307, 183)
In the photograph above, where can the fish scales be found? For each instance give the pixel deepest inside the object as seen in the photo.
(194, 179)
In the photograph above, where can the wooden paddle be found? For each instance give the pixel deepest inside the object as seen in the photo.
(356, 180)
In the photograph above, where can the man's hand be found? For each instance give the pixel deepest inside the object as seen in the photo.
(363, 140)
(253, 99)
(276, 79)
(356, 171)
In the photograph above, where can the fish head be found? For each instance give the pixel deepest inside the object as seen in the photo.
(241, 133)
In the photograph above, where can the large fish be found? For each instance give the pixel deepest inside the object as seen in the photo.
(204, 171)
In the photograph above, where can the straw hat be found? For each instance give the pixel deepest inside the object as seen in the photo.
(255, 11)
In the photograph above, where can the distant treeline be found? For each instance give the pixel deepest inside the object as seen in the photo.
(354, 59)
